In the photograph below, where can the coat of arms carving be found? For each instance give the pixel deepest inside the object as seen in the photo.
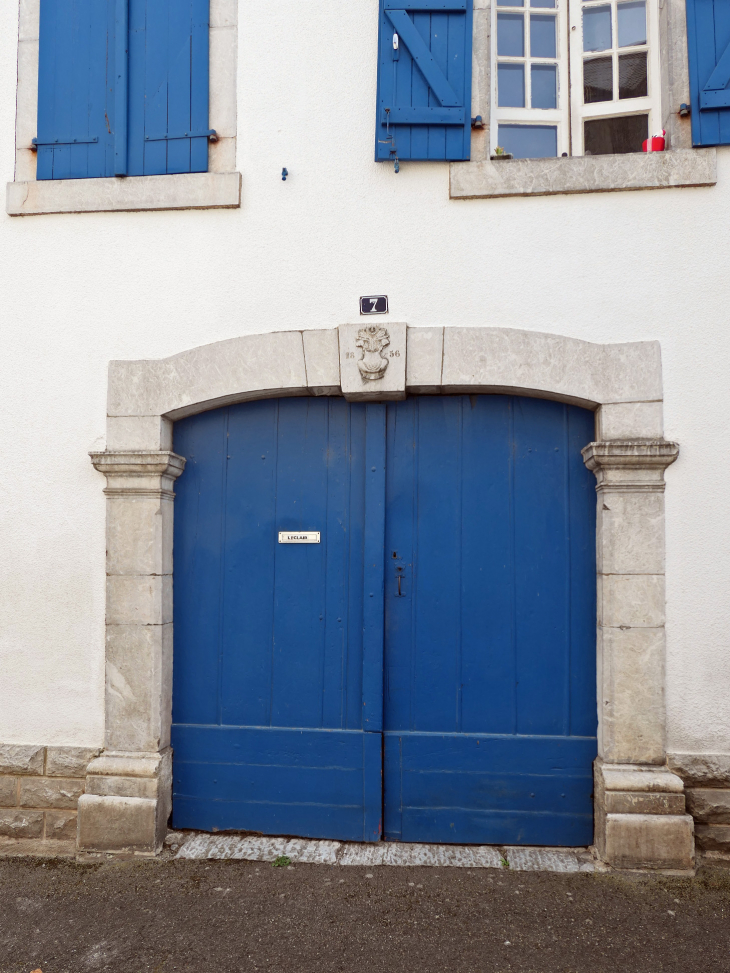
(372, 339)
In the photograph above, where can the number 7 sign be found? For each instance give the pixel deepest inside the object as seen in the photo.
(374, 305)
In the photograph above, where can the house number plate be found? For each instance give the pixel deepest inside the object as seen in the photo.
(374, 305)
(300, 537)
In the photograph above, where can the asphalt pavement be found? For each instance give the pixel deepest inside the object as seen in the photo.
(136, 916)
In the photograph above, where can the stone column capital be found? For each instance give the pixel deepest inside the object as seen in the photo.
(139, 473)
(630, 466)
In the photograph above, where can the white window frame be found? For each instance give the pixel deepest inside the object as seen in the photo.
(560, 116)
(649, 105)
(571, 112)
(218, 188)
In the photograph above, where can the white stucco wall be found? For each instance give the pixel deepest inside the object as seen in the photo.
(77, 291)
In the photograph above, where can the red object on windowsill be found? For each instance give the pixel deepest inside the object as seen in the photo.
(656, 143)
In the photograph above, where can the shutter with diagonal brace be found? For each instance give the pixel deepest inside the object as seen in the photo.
(122, 88)
(708, 34)
(424, 80)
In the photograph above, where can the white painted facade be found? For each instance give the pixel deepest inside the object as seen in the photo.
(79, 290)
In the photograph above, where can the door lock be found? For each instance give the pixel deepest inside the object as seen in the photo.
(399, 574)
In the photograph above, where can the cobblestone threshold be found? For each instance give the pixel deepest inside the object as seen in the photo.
(309, 851)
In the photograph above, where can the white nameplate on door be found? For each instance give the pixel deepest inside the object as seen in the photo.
(299, 537)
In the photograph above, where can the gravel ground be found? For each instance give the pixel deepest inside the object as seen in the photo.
(62, 916)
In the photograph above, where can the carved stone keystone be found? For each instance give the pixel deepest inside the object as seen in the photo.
(373, 361)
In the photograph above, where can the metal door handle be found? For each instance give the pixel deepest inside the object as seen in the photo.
(399, 577)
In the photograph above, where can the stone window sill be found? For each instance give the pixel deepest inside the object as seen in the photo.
(197, 190)
(583, 174)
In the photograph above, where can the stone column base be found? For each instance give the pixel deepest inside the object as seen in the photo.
(640, 818)
(127, 803)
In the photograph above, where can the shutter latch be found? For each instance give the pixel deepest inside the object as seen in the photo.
(390, 140)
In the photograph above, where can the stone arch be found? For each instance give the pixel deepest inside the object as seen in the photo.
(639, 805)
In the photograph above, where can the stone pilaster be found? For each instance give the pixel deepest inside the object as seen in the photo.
(127, 802)
(640, 812)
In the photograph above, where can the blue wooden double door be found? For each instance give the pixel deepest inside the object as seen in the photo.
(426, 672)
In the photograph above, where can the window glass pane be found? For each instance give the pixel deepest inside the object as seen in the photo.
(631, 23)
(632, 75)
(542, 36)
(509, 3)
(597, 80)
(511, 85)
(510, 35)
(529, 141)
(606, 136)
(543, 3)
(597, 29)
(544, 86)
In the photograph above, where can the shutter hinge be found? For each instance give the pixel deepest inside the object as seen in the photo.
(39, 143)
(210, 134)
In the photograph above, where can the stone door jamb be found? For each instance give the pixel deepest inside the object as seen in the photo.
(639, 805)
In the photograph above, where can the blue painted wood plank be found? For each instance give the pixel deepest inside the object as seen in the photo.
(542, 566)
(305, 782)
(121, 86)
(467, 523)
(249, 564)
(425, 57)
(437, 5)
(583, 717)
(168, 86)
(487, 556)
(485, 788)
(297, 819)
(199, 90)
(199, 529)
(301, 570)
(281, 672)
(372, 757)
(428, 75)
(271, 783)
(179, 86)
(491, 518)
(273, 746)
(75, 89)
(708, 37)
(137, 14)
(372, 680)
(467, 826)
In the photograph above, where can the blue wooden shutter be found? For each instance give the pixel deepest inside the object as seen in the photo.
(424, 85)
(75, 137)
(708, 34)
(168, 86)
